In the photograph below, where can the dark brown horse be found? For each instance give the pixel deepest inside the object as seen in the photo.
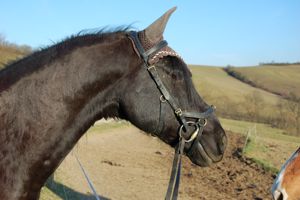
(49, 99)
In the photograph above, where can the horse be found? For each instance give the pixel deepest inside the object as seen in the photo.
(287, 183)
(50, 98)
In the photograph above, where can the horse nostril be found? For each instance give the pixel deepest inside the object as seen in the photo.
(278, 195)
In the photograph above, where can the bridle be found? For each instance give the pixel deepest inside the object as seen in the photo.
(182, 116)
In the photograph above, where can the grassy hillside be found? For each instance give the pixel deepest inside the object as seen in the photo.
(214, 82)
(283, 79)
(236, 99)
(232, 97)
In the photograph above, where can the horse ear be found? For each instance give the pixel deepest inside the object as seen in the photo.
(155, 31)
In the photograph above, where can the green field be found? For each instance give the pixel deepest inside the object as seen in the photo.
(269, 146)
(283, 79)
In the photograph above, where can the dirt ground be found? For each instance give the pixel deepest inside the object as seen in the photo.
(124, 163)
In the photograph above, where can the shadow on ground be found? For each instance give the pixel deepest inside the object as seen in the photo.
(67, 193)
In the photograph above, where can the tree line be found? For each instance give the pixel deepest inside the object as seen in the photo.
(24, 49)
(279, 63)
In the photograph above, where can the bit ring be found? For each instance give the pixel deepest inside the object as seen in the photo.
(194, 134)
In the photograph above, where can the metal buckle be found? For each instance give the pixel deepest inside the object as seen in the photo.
(194, 134)
(202, 120)
(151, 67)
(178, 112)
(162, 99)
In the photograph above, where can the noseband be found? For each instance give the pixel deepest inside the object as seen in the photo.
(184, 137)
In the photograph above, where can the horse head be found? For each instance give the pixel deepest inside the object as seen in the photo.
(171, 104)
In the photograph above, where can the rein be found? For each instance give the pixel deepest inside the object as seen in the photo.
(198, 124)
(88, 179)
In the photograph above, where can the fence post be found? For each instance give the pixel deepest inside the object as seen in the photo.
(246, 141)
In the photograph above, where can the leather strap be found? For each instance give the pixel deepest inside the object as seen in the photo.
(156, 48)
(138, 45)
(197, 115)
(88, 179)
(161, 123)
(167, 96)
(172, 192)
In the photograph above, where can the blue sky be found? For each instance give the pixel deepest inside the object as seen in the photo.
(212, 32)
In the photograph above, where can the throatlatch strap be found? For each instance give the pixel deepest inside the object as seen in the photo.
(161, 122)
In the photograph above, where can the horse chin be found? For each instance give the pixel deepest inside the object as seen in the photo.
(200, 157)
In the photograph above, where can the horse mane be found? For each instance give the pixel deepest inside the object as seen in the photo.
(44, 56)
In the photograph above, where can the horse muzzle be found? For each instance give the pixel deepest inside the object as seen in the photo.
(204, 152)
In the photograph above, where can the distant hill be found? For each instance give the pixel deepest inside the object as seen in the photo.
(278, 79)
(235, 98)
(228, 93)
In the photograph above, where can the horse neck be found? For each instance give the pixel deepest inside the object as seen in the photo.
(49, 110)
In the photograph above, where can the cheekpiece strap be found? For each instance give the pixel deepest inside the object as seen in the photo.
(145, 54)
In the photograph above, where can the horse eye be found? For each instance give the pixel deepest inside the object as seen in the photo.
(176, 75)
